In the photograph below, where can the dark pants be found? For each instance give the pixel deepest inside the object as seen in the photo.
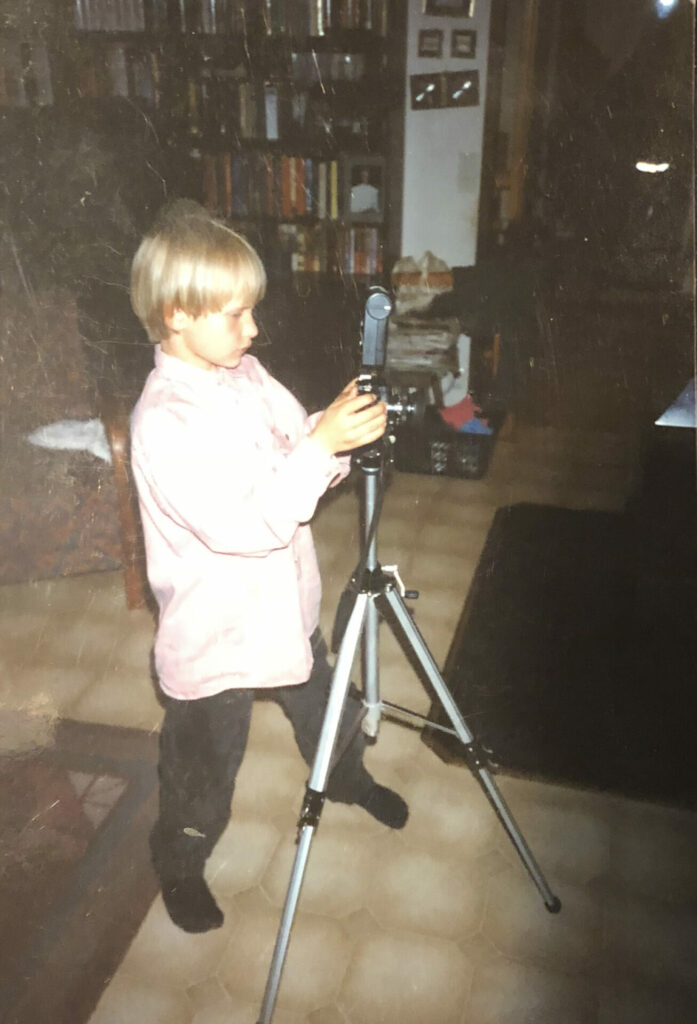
(202, 743)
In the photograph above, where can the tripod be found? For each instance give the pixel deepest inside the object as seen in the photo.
(371, 585)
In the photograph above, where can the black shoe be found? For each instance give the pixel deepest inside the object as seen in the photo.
(190, 904)
(385, 806)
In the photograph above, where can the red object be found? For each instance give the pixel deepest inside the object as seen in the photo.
(461, 412)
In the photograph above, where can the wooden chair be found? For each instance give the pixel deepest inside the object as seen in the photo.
(115, 417)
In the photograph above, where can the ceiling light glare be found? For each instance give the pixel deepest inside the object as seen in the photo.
(647, 167)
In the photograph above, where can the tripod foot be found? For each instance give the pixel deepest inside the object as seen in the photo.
(553, 906)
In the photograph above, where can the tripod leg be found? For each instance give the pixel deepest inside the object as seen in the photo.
(314, 796)
(418, 645)
(371, 686)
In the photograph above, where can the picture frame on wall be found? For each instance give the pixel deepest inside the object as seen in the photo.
(450, 8)
(430, 42)
(463, 43)
(462, 89)
(364, 188)
(426, 91)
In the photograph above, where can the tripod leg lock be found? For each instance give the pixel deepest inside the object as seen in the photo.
(475, 756)
(311, 809)
(392, 572)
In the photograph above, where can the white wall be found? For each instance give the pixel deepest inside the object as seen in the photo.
(443, 148)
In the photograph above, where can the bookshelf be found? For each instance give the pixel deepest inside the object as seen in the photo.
(276, 109)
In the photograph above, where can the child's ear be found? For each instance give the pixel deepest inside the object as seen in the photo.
(176, 320)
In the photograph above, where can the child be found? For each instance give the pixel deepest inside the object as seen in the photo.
(229, 470)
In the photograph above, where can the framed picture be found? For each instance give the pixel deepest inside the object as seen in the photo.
(461, 89)
(430, 42)
(463, 43)
(426, 91)
(364, 188)
(450, 8)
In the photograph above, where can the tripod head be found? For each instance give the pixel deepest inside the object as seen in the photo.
(378, 307)
(402, 403)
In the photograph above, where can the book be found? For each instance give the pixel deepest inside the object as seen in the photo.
(299, 194)
(142, 80)
(239, 186)
(317, 17)
(333, 197)
(271, 111)
(117, 70)
(270, 205)
(292, 186)
(251, 108)
(256, 184)
(41, 71)
(193, 109)
(322, 190)
(310, 184)
(274, 17)
(285, 190)
(227, 183)
(210, 183)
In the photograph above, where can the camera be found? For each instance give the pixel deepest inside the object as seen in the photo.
(403, 403)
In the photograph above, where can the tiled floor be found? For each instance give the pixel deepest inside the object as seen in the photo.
(437, 924)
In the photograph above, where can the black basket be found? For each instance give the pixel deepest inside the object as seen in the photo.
(442, 452)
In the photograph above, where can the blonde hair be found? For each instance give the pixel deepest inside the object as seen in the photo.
(192, 262)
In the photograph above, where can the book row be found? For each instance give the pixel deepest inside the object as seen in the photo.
(217, 101)
(110, 15)
(298, 18)
(25, 74)
(322, 248)
(263, 184)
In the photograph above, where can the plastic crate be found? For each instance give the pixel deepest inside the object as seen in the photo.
(442, 454)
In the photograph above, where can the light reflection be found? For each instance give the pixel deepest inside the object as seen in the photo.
(651, 168)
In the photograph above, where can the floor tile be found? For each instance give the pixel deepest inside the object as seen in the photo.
(419, 891)
(406, 978)
(519, 926)
(653, 852)
(628, 1001)
(235, 1010)
(165, 956)
(21, 630)
(270, 782)
(21, 730)
(120, 697)
(654, 941)
(129, 999)
(44, 687)
(318, 955)
(242, 855)
(571, 844)
(337, 877)
(449, 813)
(505, 991)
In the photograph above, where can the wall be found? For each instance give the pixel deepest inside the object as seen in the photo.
(443, 148)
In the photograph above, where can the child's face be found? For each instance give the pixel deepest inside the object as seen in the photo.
(212, 339)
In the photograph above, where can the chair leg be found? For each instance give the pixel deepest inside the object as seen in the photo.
(115, 418)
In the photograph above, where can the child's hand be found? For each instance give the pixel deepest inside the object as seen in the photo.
(351, 421)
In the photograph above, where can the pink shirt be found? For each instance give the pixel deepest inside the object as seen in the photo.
(227, 481)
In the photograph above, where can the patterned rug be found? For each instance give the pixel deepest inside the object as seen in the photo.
(573, 665)
(75, 875)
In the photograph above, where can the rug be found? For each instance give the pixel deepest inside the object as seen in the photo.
(75, 874)
(575, 661)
